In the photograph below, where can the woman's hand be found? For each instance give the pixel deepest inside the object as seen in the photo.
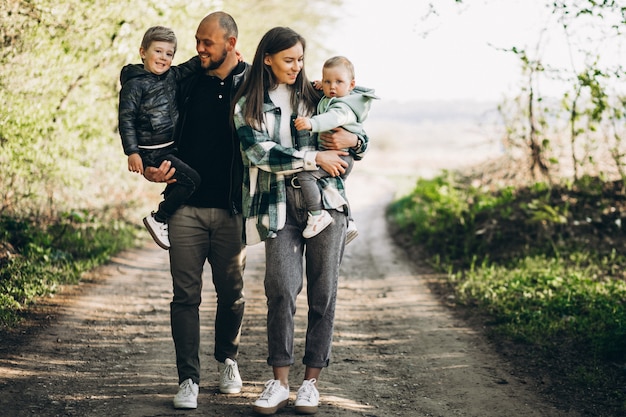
(331, 162)
(338, 138)
(163, 173)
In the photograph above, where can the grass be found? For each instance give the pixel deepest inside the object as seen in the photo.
(543, 264)
(37, 257)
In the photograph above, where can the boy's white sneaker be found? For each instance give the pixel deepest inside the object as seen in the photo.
(308, 398)
(351, 233)
(158, 231)
(273, 398)
(316, 223)
(187, 395)
(230, 380)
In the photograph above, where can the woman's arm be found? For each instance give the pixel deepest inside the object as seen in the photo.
(264, 153)
(270, 156)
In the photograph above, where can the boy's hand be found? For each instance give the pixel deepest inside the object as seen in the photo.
(317, 84)
(239, 55)
(302, 123)
(135, 164)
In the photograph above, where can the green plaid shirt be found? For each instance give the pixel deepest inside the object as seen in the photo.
(267, 162)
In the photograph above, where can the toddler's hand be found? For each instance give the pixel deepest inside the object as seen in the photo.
(302, 123)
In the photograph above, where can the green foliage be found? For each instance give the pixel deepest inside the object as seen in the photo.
(541, 260)
(36, 261)
(443, 215)
(543, 301)
(543, 264)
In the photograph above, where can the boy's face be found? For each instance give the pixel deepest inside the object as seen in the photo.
(158, 57)
(336, 82)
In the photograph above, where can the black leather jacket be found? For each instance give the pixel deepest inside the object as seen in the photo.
(147, 104)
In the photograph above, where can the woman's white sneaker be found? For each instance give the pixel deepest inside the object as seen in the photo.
(308, 398)
(273, 398)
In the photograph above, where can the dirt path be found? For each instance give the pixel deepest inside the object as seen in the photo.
(397, 350)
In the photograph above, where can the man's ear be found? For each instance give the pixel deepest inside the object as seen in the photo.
(232, 43)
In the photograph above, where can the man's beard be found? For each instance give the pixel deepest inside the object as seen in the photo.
(216, 64)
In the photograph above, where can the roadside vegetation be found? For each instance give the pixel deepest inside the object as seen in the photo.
(532, 246)
(36, 259)
(542, 266)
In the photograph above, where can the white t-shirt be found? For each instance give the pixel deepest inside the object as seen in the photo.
(281, 96)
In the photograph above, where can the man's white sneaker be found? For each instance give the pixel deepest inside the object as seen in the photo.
(351, 233)
(187, 395)
(308, 398)
(273, 398)
(230, 380)
(158, 231)
(316, 223)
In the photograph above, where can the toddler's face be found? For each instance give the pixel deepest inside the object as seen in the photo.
(336, 82)
(158, 57)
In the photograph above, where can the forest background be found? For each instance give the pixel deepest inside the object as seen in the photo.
(551, 181)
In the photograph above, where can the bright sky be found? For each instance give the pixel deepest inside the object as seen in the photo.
(450, 56)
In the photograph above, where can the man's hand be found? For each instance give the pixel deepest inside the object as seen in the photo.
(163, 173)
(338, 138)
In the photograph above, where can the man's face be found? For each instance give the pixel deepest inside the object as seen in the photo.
(211, 45)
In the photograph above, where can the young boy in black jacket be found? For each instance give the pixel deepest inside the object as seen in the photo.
(147, 117)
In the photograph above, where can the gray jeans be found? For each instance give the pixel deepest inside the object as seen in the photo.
(198, 235)
(285, 260)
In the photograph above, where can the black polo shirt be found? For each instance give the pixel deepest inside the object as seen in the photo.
(209, 143)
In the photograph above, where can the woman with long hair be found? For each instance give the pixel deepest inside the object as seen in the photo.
(276, 91)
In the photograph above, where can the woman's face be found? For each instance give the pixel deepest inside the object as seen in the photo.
(286, 64)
